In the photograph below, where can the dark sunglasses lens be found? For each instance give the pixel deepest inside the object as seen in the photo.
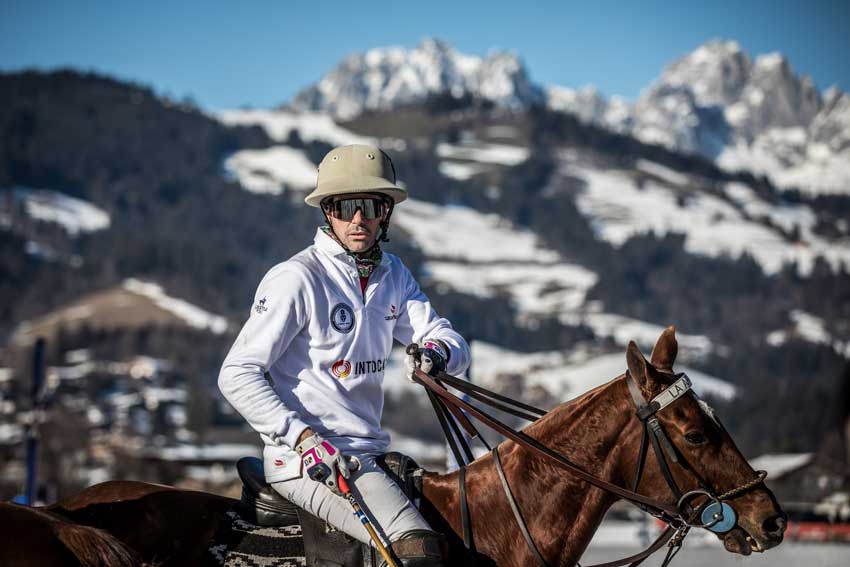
(345, 209)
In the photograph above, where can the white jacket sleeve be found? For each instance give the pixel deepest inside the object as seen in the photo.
(417, 321)
(278, 314)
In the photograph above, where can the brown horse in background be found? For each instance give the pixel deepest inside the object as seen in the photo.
(37, 538)
(598, 431)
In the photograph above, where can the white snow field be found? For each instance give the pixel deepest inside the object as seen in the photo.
(271, 169)
(471, 157)
(566, 375)
(278, 124)
(192, 314)
(485, 255)
(713, 226)
(73, 214)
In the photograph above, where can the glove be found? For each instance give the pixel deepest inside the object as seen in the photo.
(323, 461)
(431, 358)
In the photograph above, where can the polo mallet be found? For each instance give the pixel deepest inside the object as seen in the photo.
(358, 511)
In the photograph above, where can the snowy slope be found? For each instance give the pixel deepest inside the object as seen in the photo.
(72, 214)
(269, 170)
(713, 225)
(485, 255)
(280, 124)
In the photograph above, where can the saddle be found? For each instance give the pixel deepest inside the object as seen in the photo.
(324, 546)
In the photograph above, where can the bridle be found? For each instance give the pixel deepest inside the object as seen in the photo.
(714, 513)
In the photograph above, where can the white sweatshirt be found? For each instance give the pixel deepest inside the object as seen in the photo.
(324, 349)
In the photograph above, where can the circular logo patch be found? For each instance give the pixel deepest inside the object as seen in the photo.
(342, 318)
(341, 369)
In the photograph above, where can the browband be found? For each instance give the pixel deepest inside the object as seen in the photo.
(673, 392)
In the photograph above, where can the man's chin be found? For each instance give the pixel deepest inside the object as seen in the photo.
(360, 245)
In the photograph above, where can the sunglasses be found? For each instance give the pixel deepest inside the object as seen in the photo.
(345, 209)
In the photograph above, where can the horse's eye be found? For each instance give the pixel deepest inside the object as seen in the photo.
(695, 438)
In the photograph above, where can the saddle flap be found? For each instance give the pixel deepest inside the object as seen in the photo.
(260, 502)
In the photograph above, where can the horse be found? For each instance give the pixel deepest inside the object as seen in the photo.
(598, 431)
(38, 538)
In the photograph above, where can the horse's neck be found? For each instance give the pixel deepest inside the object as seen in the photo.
(561, 512)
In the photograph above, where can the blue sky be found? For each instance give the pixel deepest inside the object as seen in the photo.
(228, 54)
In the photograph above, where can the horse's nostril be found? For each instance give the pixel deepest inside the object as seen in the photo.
(774, 526)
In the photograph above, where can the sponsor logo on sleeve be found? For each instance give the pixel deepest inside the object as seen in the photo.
(342, 318)
(260, 307)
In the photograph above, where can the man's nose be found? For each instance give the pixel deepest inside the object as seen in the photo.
(358, 216)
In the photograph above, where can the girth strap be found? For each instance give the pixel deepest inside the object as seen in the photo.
(515, 509)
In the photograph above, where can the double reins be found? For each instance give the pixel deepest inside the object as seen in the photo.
(452, 413)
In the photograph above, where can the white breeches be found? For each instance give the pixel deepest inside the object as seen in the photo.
(389, 510)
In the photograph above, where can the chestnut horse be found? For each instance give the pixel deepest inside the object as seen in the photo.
(598, 431)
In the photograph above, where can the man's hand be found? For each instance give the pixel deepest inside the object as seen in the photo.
(322, 461)
(431, 358)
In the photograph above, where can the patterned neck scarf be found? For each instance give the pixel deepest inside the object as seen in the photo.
(366, 261)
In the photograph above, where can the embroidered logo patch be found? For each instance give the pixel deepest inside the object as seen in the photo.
(392, 315)
(342, 318)
(341, 369)
(278, 462)
(260, 307)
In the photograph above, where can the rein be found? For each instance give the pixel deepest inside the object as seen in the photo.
(714, 513)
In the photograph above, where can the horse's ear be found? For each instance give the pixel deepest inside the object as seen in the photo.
(664, 353)
(639, 368)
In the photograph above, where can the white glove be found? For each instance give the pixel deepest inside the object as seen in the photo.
(322, 461)
(430, 358)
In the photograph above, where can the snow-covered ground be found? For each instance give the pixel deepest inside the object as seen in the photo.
(566, 375)
(192, 314)
(485, 255)
(278, 124)
(270, 169)
(777, 464)
(471, 157)
(73, 214)
(619, 209)
(809, 328)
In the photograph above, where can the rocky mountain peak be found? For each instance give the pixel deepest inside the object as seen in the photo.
(715, 73)
(386, 78)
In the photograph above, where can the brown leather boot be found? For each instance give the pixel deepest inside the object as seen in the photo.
(420, 548)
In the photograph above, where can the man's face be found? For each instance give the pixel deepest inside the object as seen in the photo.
(358, 234)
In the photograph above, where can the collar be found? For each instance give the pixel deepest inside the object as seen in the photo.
(334, 249)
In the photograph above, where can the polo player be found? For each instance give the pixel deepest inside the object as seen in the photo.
(307, 368)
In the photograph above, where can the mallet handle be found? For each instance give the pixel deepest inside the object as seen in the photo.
(358, 511)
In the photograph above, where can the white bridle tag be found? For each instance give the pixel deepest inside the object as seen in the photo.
(675, 391)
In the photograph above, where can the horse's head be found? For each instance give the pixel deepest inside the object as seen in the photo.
(706, 457)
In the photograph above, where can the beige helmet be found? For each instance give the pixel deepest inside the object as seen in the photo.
(356, 169)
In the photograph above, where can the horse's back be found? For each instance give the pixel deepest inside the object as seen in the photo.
(35, 537)
(156, 520)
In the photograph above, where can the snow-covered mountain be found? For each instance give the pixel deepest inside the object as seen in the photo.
(754, 115)
(386, 78)
(747, 114)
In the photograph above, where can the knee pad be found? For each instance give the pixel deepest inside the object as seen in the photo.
(421, 548)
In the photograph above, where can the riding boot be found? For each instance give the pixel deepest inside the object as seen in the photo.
(420, 548)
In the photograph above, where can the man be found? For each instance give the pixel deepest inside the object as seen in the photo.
(321, 329)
